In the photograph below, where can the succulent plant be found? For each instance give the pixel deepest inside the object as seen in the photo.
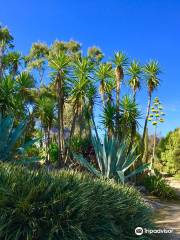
(113, 159)
(10, 149)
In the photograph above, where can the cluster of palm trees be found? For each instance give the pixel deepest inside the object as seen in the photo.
(54, 80)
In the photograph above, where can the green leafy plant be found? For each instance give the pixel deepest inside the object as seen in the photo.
(67, 205)
(53, 152)
(79, 144)
(113, 159)
(169, 152)
(158, 186)
(10, 148)
(177, 176)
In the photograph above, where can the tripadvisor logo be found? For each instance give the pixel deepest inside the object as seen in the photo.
(139, 231)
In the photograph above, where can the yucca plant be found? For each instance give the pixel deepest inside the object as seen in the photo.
(9, 139)
(113, 159)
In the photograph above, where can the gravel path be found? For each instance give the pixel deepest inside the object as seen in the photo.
(168, 215)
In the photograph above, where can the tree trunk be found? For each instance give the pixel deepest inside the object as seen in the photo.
(71, 134)
(133, 127)
(119, 77)
(146, 119)
(1, 64)
(41, 73)
(60, 121)
(102, 92)
(73, 124)
(48, 144)
(134, 95)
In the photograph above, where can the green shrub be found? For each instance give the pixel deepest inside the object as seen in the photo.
(79, 144)
(158, 186)
(177, 176)
(67, 205)
(53, 151)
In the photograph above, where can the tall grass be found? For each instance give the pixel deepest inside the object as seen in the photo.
(67, 205)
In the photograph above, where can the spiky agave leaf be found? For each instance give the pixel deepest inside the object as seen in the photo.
(86, 164)
(113, 158)
(9, 139)
(139, 170)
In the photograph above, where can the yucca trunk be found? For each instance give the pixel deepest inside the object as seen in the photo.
(60, 99)
(73, 125)
(133, 127)
(102, 92)
(40, 78)
(134, 95)
(1, 64)
(147, 115)
(119, 77)
(48, 144)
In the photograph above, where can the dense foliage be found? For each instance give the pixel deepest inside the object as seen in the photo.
(169, 152)
(59, 88)
(67, 205)
(158, 186)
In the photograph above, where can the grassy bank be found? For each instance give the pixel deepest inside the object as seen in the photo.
(67, 205)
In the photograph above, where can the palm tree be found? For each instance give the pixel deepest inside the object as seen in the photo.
(60, 62)
(95, 54)
(152, 72)
(120, 61)
(15, 94)
(81, 83)
(11, 62)
(129, 116)
(7, 95)
(37, 58)
(45, 110)
(71, 48)
(108, 118)
(81, 93)
(104, 73)
(25, 85)
(5, 43)
(134, 71)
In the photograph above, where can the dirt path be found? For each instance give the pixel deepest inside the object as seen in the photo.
(168, 215)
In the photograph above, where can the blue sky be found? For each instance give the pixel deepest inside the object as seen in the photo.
(142, 29)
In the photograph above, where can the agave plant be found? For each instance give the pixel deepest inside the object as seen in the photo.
(113, 159)
(9, 139)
